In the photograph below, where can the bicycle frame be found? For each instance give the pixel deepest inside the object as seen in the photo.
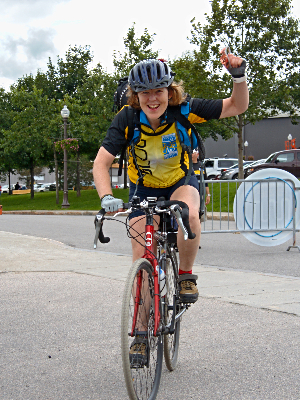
(149, 255)
(150, 250)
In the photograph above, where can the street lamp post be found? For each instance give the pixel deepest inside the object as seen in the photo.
(65, 113)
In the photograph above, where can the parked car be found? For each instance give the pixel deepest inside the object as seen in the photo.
(45, 187)
(232, 172)
(248, 168)
(214, 166)
(36, 186)
(288, 160)
(5, 188)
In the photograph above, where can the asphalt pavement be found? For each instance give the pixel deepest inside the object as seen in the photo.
(60, 303)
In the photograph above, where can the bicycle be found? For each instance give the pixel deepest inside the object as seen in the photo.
(151, 308)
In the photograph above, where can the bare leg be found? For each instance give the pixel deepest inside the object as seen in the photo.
(188, 248)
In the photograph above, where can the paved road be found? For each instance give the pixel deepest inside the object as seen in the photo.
(60, 320)
(217, 248)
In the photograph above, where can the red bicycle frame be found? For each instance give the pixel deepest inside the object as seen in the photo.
(148, 255)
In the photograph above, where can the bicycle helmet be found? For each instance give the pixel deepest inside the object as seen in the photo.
(150, 74)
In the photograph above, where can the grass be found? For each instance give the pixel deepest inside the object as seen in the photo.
(223, 191)
(89, 200)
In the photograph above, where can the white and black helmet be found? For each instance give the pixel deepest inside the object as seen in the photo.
(150, 74)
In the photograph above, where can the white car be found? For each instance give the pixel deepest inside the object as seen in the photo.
(214, 166)
(248, 169)
(233, 172)
(36, 186)
(45, 187)
(5, 188)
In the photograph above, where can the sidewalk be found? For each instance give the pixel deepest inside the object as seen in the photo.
(21, 253)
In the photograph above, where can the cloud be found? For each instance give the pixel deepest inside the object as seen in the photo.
(25, 10)
(20, 56)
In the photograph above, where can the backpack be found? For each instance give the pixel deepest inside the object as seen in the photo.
(179, 113)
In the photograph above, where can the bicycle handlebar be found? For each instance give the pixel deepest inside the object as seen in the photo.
(181, 212)
(178, 208)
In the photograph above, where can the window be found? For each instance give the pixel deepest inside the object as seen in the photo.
(209, 164)
(226, 163)
(285, 157)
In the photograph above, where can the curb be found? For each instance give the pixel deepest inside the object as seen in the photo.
(209, 215)
(53, 212)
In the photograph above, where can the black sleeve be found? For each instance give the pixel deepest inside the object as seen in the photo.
(115, 137)
(206, 109)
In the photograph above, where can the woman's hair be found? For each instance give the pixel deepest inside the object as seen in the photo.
(175, 89)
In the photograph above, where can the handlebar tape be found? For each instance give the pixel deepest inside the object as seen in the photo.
(102, 238)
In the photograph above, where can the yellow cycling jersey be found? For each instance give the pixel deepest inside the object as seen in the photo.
(157, 159)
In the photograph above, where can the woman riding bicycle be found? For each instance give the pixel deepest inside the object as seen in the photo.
(160, 165)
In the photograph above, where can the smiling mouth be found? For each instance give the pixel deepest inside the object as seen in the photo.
(153, 107)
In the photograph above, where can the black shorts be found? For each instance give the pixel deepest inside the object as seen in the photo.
(143, 192)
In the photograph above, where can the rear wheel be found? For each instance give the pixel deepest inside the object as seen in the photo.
(137, 324)
(171, 341)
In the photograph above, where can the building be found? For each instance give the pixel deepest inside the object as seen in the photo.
(263, 138)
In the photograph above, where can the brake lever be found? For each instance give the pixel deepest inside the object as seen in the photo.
(99, 218)
(175, 210)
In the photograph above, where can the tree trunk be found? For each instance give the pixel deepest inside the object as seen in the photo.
(240, 147)
(78, 175)
(9, 185)
(31, 180)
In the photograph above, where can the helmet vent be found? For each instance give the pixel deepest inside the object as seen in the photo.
(149, 74)
(140, 75)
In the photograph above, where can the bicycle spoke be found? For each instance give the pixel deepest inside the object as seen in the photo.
(142, 374)
(171, 341)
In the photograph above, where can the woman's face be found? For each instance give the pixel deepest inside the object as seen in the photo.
(154, 103)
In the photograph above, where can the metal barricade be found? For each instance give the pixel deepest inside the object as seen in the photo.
(272, 207)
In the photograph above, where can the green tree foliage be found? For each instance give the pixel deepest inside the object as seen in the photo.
(266, 35)
(37, 100)
(27, 141)
(5, 123)
(136, 49)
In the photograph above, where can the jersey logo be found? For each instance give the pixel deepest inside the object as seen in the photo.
(169, 144)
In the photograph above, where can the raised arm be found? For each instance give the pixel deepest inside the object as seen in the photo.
(238, 102)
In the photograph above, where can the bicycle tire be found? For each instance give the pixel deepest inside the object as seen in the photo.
(171, 341)
(142, 382)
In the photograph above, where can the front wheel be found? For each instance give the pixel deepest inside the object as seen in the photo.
(171, 341)
(142, 352)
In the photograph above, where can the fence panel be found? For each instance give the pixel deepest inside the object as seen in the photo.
(266, 207)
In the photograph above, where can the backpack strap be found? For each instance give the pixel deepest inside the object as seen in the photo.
(130, 124)
(188, 143)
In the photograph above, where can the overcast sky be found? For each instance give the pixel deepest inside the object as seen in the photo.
(31, 31)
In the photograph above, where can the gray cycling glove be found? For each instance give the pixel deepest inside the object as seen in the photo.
(110, 203)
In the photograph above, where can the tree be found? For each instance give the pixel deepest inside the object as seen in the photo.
(27, 141)
(136, 49)
(6, 161)
(266, 35)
